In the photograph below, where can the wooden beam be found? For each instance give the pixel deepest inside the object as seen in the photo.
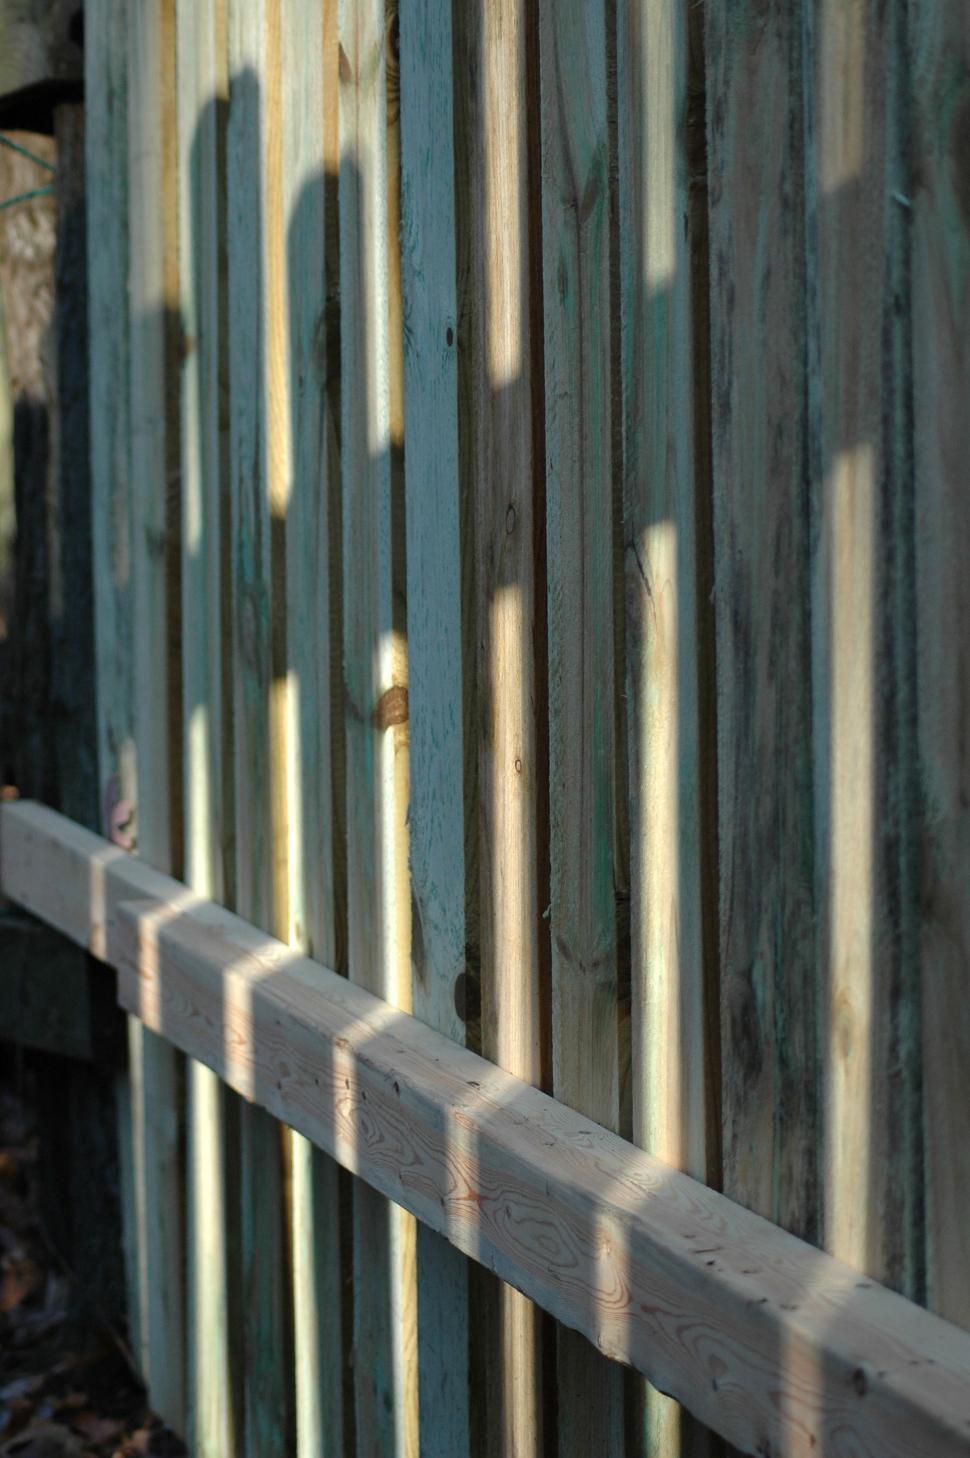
(775, 1345)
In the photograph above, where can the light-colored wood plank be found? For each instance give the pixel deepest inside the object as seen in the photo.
(378, 903)
(579, 535)
(214, 1393)
(666, 459)
(939, 60)
(776, 1345)
(500, 375)
(436, 658)
(311, 648)
(865, 772)
(769, 967)
(259, 467)
(156, 1108)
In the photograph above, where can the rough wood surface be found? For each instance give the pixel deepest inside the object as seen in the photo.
(865, 775)
(666, 486)
(437, 659)
(776, 1345)
(313, 658)
(939, 64)
(214, 1392)
(155, 1069)
(500, 382)
(770, 997)
(375, 687)
(257, 505)
(586, 1002)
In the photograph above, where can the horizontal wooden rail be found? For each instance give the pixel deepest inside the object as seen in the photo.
(780, 1348)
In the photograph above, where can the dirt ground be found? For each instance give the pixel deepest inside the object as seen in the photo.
(67, 1388)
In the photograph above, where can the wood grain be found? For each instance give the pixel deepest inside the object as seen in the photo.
(154, 1069)
(666, 485)
(500, 382)
(258, 443)
(769, 965)
(774, 1344)
(437, 660)
(865, 772)
(313, 653)
(375, 686)
(579, 534)
(214, 1397)
(939, 76)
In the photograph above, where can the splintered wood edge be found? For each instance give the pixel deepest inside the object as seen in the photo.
(775, 1345)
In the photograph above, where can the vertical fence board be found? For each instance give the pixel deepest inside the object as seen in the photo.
(769, 997)
(939, 51)
(154, 1064)
(441, 988)
(578, 351)
(311, 645)
(862, 625)
(378, 906)
(258, 465)
(665, 485)
(214, 1395)
(500, 373)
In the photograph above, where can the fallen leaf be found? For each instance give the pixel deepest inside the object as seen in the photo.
(96, 1429)
(21, 1278)
(43, 1440)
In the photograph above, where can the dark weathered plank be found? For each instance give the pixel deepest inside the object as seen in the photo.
(577, 316)
(767, 928)
(938, 51)
(257, 496)
(500, 380)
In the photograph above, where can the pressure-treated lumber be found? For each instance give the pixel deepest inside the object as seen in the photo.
(375, 679)
(436, 659)
(500, 387)
(587, 1011)
(666, 486)
(260, 689)
(214, 1393)
(939, 45)
(777, 1346)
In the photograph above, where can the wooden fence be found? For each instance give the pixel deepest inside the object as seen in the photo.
(530, 521)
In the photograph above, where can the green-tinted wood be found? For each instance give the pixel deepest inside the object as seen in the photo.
(862, 623)
(435, 656)
(213, 1379)
(767, 929)
(311, 646)
(154, 1065)
(500, 379)
(663, 299)
(582, 768)
(258, 466)
(378, 906)
(939, 58)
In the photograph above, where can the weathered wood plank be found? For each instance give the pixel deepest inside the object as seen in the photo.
(212, 1190)
(579, 470)
(767, 926)
(378, 904)
(939, 59)
(312, 655)
(863, 637)
(775, 1344)
(155, 1069)
(500, 382)
(666, 485)
(436, 657)
(259, 468)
